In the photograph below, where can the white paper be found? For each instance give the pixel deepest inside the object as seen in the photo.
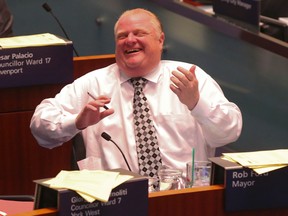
(91, 185)
(260, 161)
(31, 40)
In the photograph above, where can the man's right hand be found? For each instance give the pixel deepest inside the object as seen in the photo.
(91, 114)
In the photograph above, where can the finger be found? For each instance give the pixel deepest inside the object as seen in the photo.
(106, 113)
(102, 98)
(175, 89)
(175, 81)
(189, 74)
(192, 71)
(92, 107)
(105, 100)
(99, 103)
(186, 73)
(179, 79)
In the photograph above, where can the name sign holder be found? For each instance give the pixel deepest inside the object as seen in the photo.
(127, 199)
(244, 13)
(247, 190)
(35, 64)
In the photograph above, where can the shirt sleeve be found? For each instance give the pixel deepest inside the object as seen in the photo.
(220, 119)
(53, 121)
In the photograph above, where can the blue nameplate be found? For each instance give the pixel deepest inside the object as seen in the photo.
(247, 190)
(40, 65)
(128, 199)
(245, 11)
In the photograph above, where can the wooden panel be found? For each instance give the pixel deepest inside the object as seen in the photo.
(85, 64)
(200, 201)
(22, 159)
(25, 98)
(187, 202)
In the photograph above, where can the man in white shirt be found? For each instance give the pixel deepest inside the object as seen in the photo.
(188, 107)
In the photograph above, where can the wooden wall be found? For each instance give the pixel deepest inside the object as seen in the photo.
(22, 159)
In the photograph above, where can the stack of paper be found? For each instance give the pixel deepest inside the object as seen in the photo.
(260, 161)
(31, 41)
(91, 185)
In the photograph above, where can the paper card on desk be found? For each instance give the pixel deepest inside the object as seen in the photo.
(119, 180)
(258, 169)
(97, 184)
(260, 158)
(31, 41)
(129, 198)
(91, 185)
(262, 170)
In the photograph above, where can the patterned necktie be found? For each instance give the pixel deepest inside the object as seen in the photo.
(148, 152)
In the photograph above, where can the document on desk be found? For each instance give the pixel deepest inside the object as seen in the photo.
(91, 185)
(44, 39)
(261, 161)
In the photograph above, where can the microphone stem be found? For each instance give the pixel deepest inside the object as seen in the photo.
(57, 20)
(122, 154)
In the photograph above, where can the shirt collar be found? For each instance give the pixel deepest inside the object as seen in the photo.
(153, 76)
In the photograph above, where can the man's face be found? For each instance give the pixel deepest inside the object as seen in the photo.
(138, 45)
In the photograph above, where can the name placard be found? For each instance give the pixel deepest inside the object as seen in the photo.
(26, 66)
(247, 190)
(244, 11)
(128, 199)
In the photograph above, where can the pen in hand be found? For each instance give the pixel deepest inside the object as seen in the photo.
(95, 99)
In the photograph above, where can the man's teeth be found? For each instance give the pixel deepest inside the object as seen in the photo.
(132, 51)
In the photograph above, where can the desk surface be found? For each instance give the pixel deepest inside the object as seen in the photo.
(224, 26)
(200, 201)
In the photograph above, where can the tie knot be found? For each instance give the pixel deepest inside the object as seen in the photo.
(138, 82)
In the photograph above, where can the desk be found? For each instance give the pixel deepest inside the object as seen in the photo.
(186, 9)
(202, 201)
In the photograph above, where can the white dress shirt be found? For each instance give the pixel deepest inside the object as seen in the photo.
(214, 121)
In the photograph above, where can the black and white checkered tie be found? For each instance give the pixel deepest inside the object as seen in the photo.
(148, 152)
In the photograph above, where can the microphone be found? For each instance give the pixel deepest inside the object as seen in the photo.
(49, 10)
(108, 138)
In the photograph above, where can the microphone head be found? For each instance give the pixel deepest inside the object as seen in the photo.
(106, 136)
(46, 7)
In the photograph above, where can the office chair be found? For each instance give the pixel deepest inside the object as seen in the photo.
(78, 151)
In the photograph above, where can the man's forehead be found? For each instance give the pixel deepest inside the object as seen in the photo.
(133, 25)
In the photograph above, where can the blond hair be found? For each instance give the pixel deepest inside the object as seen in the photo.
(155, 21)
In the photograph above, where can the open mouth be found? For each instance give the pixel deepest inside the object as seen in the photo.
(130, 51)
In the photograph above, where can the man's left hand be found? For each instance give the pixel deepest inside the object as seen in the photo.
(185, 86)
